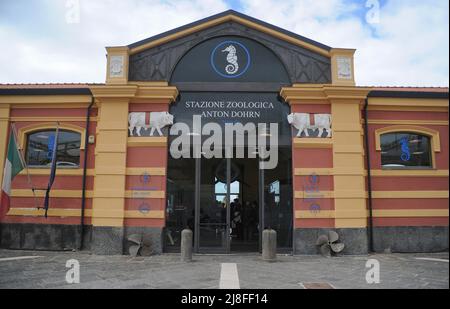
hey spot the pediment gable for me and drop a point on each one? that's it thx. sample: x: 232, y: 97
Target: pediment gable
x: 155, y: 59
x: 230, y: 17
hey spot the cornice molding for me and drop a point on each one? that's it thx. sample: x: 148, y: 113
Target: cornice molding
x: 160, y: 93
x: 133, y: 92
x: 322, y: 93
x: 114, y: 91
x: 355, y: 93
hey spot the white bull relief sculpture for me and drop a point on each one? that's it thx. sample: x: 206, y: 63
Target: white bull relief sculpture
x: 158, y: 120
x: 302, y: 123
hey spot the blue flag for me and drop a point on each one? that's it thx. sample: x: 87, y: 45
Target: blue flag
x: 54, y: 155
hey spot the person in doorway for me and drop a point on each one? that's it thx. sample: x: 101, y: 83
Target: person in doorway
x: 232, y: 223
x: 223, y: 211
x: 252, y: 220
x: 237, y: 218
x: 246, y: 220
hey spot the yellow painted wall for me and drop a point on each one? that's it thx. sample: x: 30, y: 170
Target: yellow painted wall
x: 110, y: 163
x: 4, y: 125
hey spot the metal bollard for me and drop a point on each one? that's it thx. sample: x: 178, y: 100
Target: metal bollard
x: 269, y: 245
x: 186, y: 245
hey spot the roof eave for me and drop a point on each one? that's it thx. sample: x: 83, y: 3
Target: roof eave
x: 408, y: 94
x: 45, y: 91
x: 223, y: 17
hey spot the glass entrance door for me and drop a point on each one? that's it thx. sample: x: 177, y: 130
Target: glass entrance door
x: 213, y: 215
x: 244, y: 205
x: 276, y: 210
x: 227, y: 213
x: 235, y: 200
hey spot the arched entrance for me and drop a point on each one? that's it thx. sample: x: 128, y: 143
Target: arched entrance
x: 229, y: 170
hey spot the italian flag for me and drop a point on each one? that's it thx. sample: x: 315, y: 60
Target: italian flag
x: 13, y: 166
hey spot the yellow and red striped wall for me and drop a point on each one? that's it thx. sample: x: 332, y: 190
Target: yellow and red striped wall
x: 67, y: 189
x: 410, y: 197
x: 127, y: 176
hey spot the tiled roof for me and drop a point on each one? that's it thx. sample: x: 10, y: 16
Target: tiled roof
x: 410, y: 89
x: 68, y: 86
x: 47, y: 86
x: 87, y: 85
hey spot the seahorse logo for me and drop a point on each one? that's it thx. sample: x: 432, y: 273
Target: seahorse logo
x: 232, y: 59
x: 406, y: 154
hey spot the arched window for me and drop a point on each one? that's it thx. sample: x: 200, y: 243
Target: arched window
x: 406, y: 150
x: 40, y: 145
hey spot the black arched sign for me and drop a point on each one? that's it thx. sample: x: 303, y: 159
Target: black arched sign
x: 230, y: 59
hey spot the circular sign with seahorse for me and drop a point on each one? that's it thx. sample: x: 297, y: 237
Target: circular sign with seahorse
x: 230, y: 59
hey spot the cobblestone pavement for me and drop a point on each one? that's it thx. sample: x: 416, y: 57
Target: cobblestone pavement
x: 48, y: 270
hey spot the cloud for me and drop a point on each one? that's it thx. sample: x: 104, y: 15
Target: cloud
x: 75, y: 52
x: 408, y: 47
x: 413, y: 47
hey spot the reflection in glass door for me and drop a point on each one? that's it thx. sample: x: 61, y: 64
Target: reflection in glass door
x: 276, y: 196
x: 214, y: 206
x: 227, y: 203
x: 244, y: 207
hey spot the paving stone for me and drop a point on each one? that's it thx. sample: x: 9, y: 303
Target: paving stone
x: 166, y: 271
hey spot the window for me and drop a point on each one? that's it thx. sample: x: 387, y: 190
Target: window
x: 221, y: 190
x: 405, y: 150
x: 274, y: 189
x: 40, y: 148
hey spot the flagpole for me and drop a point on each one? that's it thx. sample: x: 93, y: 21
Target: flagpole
x: 24, y: 163
x: 52, y: 171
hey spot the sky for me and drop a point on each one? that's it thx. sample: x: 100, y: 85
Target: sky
x: 398, y: 42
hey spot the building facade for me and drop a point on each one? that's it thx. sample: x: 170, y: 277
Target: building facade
x: 135, y: 155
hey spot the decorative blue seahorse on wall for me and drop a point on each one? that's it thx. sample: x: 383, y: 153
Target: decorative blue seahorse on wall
x: 232, y: 59
x: 406, y: 154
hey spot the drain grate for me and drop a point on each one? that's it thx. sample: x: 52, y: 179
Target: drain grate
x: 318, y: 286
